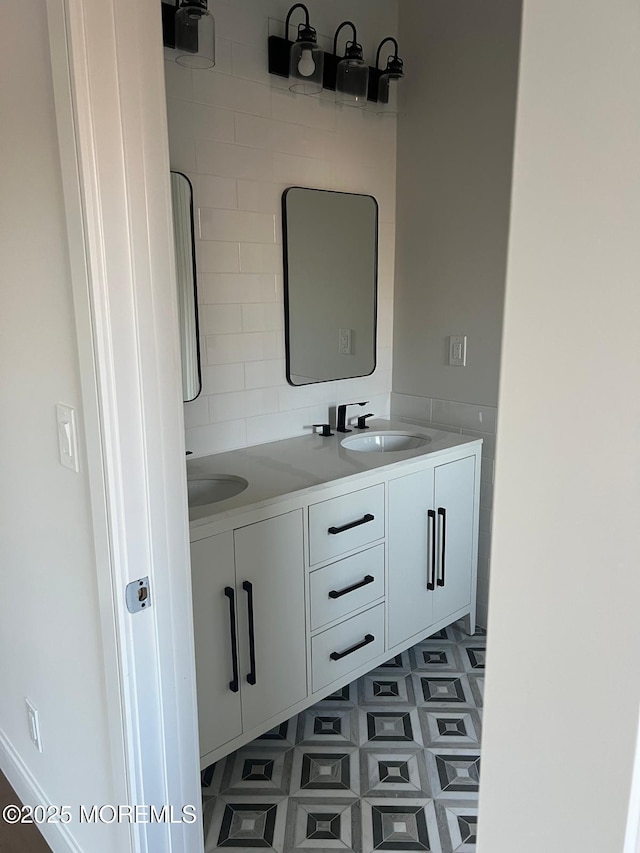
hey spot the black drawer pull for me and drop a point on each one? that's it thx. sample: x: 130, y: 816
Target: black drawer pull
x: 248, y: 588
x: 339, y: 593
x: 369, y: 638
x: 431, y: 569
x: 364, y: 520
x: 443, y: 542
x: 233, y: 684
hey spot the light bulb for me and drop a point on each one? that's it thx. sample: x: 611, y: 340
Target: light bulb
x: 306, y: 66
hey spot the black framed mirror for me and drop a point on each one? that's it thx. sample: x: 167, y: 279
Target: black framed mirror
x: 331, y: 284
x: 187, y: 288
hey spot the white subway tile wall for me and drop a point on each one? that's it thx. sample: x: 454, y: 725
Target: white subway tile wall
x: 465, y: 419
x: 242, y: 138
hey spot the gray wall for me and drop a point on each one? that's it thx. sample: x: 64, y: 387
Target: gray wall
x: 50, y: 632
x: 563, y: 684
x: 455, y: 146
x: 455, y: 153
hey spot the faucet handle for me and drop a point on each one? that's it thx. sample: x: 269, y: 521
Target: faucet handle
x: 362, y: 420
x: 326, y: 429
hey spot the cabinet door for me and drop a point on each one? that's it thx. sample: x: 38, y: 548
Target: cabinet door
x: 411, y: 549
x: 454, y: 501
x: 270, y: 584
x: 212, y: 572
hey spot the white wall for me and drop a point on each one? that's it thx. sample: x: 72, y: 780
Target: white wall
x: 455, y: 147
x: 563, y: 683
x: 49, y: 620
x: 242, y: 138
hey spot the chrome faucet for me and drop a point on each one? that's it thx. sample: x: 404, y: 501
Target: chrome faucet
x: 341, y: 425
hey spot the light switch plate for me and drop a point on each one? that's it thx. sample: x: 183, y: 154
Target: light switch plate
x: 67, y: 437
x: 458, y: 350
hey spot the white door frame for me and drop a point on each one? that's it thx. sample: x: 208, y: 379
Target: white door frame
x: 108, y: 73
x: 110, y: 102
x: 632, y: 837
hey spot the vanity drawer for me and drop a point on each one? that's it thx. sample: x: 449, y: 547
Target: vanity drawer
x: 352, y: 643
x: 342, y: 524
x: 348, y: 585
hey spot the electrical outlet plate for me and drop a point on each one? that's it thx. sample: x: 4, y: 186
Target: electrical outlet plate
x: 458, y: 350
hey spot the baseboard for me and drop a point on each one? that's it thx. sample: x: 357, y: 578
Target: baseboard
x: 57, y: 835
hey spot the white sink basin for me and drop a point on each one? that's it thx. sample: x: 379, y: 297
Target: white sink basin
x: 385, y: 442
x: 209, y: 490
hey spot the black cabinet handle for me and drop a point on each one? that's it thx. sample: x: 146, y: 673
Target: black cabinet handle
x: 364, y: 520
x: 369, y: 638
x: 443, y: 543
x: 248, y: 588
x: 431, y: 545
x: 230, y: 593
x: 339, y: 593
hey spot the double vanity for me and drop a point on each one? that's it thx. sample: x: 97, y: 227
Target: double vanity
x: 315, y: 559
x: 318, y: 558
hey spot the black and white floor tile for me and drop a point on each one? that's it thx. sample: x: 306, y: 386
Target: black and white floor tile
x: 391, y: 762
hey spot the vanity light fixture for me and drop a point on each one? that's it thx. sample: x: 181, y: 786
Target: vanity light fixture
x: 351, y: 80
x: 302, y: 61
x: 306, y: 59
x: 189, y: 27
x: 311, y: 70
x: 383, y: 83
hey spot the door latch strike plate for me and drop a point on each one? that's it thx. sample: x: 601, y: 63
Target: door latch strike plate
x: 138, y: 595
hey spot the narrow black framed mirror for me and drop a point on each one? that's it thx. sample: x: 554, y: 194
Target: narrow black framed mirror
x: 330, y: 242
x: 186, y: 278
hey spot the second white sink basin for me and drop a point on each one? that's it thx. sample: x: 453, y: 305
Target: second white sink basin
x: 209, y: 490
x: 385, y: 442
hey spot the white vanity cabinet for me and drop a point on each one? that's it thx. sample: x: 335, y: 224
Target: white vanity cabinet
x: 300, y: 591
x: 249, y: 617
x: 432, y: 522
x: 455, y: 562
x: 344, y: 523
x: 346, y: 586
x: 343, y: 638
x: 213, y: 582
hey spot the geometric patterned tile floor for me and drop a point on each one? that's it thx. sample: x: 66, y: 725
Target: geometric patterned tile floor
x: 391, y: 762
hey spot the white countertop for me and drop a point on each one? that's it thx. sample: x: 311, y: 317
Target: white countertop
x: 281, y: 468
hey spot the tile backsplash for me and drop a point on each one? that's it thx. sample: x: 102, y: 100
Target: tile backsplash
x: 466, y: 419
x: 242, y: 138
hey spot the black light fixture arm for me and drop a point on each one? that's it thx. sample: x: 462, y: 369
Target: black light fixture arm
x: 380, y: 46
x: 288, y: 18
x: 353, y: 42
